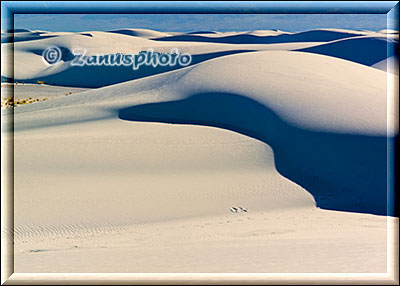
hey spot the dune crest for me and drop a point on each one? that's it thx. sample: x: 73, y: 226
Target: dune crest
x: 362, y: 47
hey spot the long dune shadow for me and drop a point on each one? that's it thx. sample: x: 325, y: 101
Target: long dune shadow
x: 31, y: 37
x: 307, y: 36
x: 366, y: 51
x: 99, y: 76
x: 343, y: 172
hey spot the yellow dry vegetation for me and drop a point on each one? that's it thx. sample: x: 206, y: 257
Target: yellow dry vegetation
x: 7, y: 102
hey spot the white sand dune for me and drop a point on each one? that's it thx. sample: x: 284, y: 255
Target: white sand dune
x: 367, y: 50
x: 267, y: 36
x: 390, y: 64
x: 334, y: 111
x: 34, y: 68
x: 215, y: 167
x: 144, y: 33
x: 307, y: 109
x: 148, y: 172
x: 363, y: 47
x: 23, y: 35
x: 38, y: 91
x: 388, y: 31
x: 216, y: 34
x: 299, y: 241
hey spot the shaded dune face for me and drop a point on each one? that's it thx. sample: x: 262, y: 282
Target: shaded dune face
x: 343, y: 172
x: 77, y: 76
x: 307, y: 36
x: 23, y: 35
x: 11, y: 39
x: 363, y: 50
x: 360, y: 47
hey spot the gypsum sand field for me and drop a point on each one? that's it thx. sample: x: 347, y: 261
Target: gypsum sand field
x: 131, y: 196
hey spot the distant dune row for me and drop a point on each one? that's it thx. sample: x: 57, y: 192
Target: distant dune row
x: 364, y: 47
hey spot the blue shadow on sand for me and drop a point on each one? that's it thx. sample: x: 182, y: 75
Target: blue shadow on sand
x: 99, y: 76
x: 366, y: 51
x: 343, y: 172
x: 306, y: 36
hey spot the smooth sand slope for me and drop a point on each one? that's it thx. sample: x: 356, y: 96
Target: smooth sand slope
x: 260, y: 141
x: 147, y: 197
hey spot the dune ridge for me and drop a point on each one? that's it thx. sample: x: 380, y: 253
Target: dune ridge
x: 363, y: 47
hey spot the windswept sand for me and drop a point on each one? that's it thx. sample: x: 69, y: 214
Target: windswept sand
x: 287, y: 241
